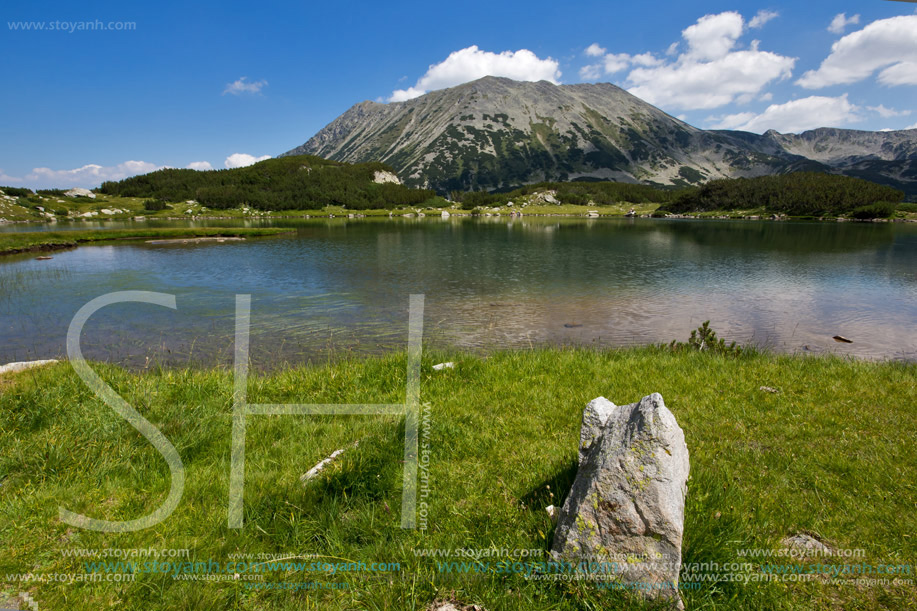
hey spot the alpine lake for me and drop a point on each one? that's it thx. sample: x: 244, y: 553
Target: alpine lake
x: 338, y: 287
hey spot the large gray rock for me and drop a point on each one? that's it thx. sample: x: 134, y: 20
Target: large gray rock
x: 624, y: 516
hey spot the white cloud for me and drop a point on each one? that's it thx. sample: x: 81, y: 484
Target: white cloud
x: 89, y: 175
x: 710, y: 73
x: 615, y: 62
x: 200, y: 165
x: 887, y: 43
x: 762, y: 17
x: 240, y: 86
x: 730, y: 121
x: 904, y: 73
x: 6, y: 178
x: 591, y: 72
x: 886, y: 113
x: 646, y: 59
x: 241, y: 160
x: 594, y: 50
x: 471, y: 63
x: 840, y: 23
x: 713, y: 36
x: 914, y: 126
x: 794, y: 116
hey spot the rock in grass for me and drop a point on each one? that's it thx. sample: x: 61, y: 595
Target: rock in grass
x: 441, y: 366
x: 452, y: 605
x: 22, y: 366
x: 808, y: 543
x: 628, y: 501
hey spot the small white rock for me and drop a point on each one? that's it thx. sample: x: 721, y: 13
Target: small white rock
x: 23, y: 365
x: 441, y: 366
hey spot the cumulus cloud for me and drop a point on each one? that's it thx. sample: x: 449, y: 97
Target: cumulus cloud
x: 914, y: 126
x: 471, y: 63
x: 200, y: 165
x: 241, y: 160
x: 591, y: 72
x: 594, y: 50
x: 711, y: 70
x: 886, y: 113
x: 887, y: 45
x: 841, y: 21
x: 89, y: 175
x: 762, y: 17
x: 794, y: 116
x: 710, y: 73
x: 713, y: 36
x: 241, y: 86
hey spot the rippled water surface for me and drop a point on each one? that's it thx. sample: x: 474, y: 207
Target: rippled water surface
x: 341, y: 286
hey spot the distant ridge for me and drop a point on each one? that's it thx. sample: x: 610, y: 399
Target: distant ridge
x: 496, y: 133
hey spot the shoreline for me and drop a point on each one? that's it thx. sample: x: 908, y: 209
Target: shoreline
x: 380, y: 214
x: 13, y: 243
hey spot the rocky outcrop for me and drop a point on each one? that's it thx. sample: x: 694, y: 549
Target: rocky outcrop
x: 624, y: 516
x: 381, y: 177
x: 80, y: 192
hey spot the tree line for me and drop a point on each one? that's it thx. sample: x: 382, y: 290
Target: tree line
x: 303, y: 182
x: 796, y: 194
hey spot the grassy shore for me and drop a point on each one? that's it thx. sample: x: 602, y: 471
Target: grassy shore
x: 830, y: 453
x: 16, y: 242
x: 44, y: 209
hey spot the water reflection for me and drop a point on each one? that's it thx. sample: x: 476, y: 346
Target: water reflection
x: 341, y: 286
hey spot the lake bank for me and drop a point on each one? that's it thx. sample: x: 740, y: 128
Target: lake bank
x: 825, y: 454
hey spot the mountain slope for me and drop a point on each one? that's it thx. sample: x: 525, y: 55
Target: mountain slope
x: 496, y: 132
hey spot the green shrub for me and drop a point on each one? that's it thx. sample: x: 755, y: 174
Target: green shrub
x: 879, y: 210
x: 704, y: 339
x: 16, y: 191
x: 907, y: 207
x: 154, y: 205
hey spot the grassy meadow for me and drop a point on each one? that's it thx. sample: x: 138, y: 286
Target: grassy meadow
x: 828, y: 454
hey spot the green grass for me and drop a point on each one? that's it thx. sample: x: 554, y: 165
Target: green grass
x: 14, y: 242
x: 830, y: 454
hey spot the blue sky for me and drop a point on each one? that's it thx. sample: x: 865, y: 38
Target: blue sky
x: 220, y: 84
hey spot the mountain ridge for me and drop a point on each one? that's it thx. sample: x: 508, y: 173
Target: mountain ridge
x: 495, y: 133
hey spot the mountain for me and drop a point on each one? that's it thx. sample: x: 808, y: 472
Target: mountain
x: 496, y: 133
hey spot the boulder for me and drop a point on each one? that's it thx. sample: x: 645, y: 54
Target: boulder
x: 80, y: 192
x: 624, y: 516
x: 381, y: 177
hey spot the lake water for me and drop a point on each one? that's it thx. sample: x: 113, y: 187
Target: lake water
x: 340, y: 286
